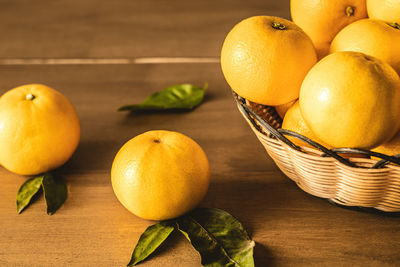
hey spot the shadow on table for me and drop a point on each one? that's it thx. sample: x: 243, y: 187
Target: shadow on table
x: 263, y: 256
x: 92, y: 156
x: 255, y: 199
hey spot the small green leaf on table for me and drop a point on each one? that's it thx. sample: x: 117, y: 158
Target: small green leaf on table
x: 220, y: 238
x: 54, y: 188
x: 181, y: 96
x: 27, y: 191
x: 150, y: 240
x: 55, y: 192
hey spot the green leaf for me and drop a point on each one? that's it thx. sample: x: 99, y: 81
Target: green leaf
x: 181, y: 96
x: 150, y: 240
x: 27, y: 191
x: 55, y: 192
x: 54, y: 188
x: 219, y: 238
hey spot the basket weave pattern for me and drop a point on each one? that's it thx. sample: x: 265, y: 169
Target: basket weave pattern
x: 326, y: 177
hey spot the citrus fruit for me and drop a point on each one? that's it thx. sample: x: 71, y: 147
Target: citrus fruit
x: 323, y: 19
x: 387, y: 10
x: 349, y: 99
x: 282, y: 109
x: 373, y: 37
x: 39, y: 129
x: 391, y: 147
x: 160, y: 175
x: 294, y: 121
x: 264, y: 59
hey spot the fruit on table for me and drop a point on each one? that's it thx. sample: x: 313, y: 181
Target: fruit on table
x: 264, y: 59
x: 294, y: 121
x: 391, y: 147
x: 160, y: 175
x: 39, y: 129
x: 323, y: 19
x: 387, y: 10
x: 350, y: 99
x: 282, y: 109
x: 373, y: 37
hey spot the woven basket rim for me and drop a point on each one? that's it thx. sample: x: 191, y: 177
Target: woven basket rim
x: 314, y: 153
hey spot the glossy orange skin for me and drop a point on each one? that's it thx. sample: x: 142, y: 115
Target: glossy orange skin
x: 264, y: 64
x: 349, y: 99
x: 387, y: 10
x: 39, y: 134
x: 294, y: 121
x: 282, y: 109
x: 323, y: 19
x: 372, y: 37
x: 160, y: 175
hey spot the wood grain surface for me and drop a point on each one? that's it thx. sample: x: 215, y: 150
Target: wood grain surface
x: 123, y: 28
x: 92, y: 228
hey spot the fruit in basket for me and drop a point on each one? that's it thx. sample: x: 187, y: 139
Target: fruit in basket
x: 294, y: 121
x: 264, y: 59
x: 391, y: 147
x: 387, y: 10
x: 39, y: 129
x: 373, y: 37
x: 282, y: 109
x: 323, y: 19
x: 350, y: 99
x: 160, y: 175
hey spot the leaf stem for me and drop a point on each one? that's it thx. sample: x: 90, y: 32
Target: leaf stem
x: 350, y: 10
x: 278, y: 26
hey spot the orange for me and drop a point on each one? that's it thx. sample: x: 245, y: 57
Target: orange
x: 323, y: 19
x: 349, y: 99
x: 391, y: 147
x: 373, y: 37
x: 39, y: 129
x: 160, y: 175
x: 387, y: 10
x: 294, y: 121
x: 282, y: 109
x: 264, y: 59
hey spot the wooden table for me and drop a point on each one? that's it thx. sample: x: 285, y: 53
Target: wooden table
x: 103, y: 54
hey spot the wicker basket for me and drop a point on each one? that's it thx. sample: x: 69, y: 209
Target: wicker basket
x: 356, y: 182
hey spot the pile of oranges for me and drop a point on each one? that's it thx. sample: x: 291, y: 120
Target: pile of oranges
x: 332, y: 73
